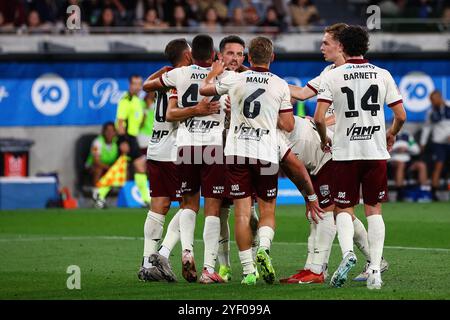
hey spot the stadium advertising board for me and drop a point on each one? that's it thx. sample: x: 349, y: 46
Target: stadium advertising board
x: 86, y: 93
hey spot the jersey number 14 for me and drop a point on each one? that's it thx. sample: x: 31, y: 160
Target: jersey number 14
x: 371, y: 93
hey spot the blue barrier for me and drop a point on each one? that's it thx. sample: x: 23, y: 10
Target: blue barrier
x: 86, y: 93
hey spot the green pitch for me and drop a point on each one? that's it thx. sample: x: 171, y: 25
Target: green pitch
x: 36, y: 247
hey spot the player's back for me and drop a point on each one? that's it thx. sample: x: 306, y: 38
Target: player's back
x: 205, y: 130
x: 257, y: 97
x: 359, y: 91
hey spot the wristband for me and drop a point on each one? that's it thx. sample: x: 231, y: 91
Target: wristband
x: 312, y: 197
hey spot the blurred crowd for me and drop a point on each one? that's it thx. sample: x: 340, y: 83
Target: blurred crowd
x: 200, y: 15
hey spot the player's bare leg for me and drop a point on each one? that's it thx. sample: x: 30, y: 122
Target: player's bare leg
x: 187, y: 227
x: 223, y: 254
x: 243, y: 234
x: 266, y: 231
x: 376, y: 234
x: 345, y: 232
x: 211, y: 236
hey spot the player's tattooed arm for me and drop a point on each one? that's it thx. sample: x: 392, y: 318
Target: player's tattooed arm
x: 208, y: 87
x: 301, y: 93
x: 203, y: 108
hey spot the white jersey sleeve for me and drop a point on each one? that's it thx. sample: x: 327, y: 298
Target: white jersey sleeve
x: 170, y: 78
x: 314, y: 84
x: 393, y: 95
x: 226, y: 81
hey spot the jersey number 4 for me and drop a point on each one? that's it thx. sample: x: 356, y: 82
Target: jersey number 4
x: 371, y: 93
x: 192, y: 93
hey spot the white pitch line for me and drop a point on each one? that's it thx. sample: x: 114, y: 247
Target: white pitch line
x: 27, y: 239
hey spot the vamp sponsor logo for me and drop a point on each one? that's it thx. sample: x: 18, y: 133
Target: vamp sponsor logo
x: 415, y: 88
x: 50, y: 94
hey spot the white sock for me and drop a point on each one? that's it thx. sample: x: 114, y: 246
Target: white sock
x: 360, y: 238
x: 376, y: 232
x: 187, y: 228
x: 223, y: 254
x: 325, y: 233
x: 265, y: 234
x: 344, y: 227
x: 153, y: 230
x: 247, y: 261
x: 211, y: 234
x: 172, y: 235
x: 254, y: 220
x: 311, y: 239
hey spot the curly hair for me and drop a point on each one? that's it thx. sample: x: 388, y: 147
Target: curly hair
x: 354, y: 40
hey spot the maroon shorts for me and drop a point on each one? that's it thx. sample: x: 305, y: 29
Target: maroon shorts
x: 322, y: 184
x: 164, y: 179
x: 202, y: 167
x: 246, y: 177
x: 348, y: 176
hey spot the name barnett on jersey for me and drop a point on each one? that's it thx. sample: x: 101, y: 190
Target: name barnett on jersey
x: 244, y: 132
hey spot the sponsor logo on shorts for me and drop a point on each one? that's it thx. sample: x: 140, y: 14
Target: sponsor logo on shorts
x: 235, y: 190
x: 324, y: 190
x: 341, y: 195
x: 249, y: 133
x: 272, y: 192
x: 325, y: 201
x: 381, y: 195
x: 218, y: 189
x: 362, y: 133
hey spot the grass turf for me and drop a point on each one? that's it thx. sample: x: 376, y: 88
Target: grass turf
x: 36, y: 247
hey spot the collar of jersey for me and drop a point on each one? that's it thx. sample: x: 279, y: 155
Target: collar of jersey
x: 357, y: 61
x: 259, y: 69
x: 203, y: 64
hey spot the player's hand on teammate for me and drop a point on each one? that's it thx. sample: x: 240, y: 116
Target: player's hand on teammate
x: 314, y: 211
x: 390, y: 139
x: 326, y: 146
x: 205, y: 107
x: 218, y: 67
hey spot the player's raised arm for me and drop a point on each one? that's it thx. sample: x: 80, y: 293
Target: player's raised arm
x: 163, y: 81
x: 208, y: 87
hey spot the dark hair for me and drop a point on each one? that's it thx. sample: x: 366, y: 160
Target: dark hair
x: 354, y: 40
x: 231, y: 39
x: 260, y: 50
x: 130, y: 78
x: 106, y: 125
x: 175, y: 49
x: 202, y: 47
x: 336, y: 29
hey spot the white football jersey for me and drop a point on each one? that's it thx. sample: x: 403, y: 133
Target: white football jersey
x: 195, y: 131
x: 304, y: 142
x: 162, y: 145
x: 257, y: 97
x: 314, y: 85
x: 359, y: 91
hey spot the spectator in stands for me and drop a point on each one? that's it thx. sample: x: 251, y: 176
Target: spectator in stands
x: 219, y: 6
x: 179, y: 20
x: 303, y: 13
x: 193, y: 12
x: 237, y: 19
x: 404, y: 159
x: 107, y: 21
x: 251, y: 16
x: 34, y: 23
x: 152, y: 22
x: 438, y: 123
x: 445, y: 25
x: 14, y: 12
x: 104, y: 152
x: 272, y: 22
x: 210, y: 22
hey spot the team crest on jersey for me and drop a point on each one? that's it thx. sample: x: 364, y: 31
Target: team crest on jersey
x: 324, y: 190
x: 249, y: 133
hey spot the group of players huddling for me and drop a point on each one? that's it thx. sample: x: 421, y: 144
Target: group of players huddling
x: 224, y: 129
